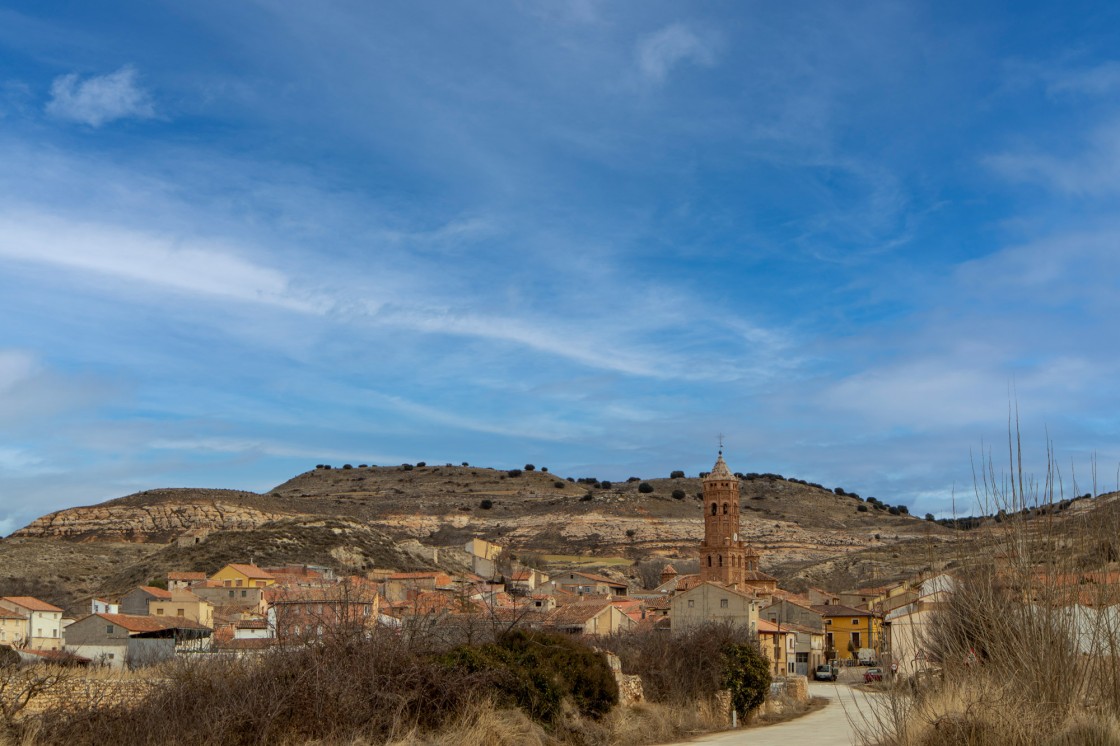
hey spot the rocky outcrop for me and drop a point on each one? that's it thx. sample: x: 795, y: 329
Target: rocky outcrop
x: 160, y: 523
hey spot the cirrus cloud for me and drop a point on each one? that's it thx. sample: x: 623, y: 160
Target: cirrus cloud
x: 100, y: 99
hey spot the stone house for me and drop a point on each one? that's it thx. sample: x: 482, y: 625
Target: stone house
x: 405, y: 586
x: 220, y: 595
x: 136, y: 601
x: 587, y: 584
x: 184, y: 605
x: 713, y: 602
x: 127, y: 640
x: 44, y: 621
x: 484, y: 556
x: 312, y: 613
x: 180, y: 580
x: 588, y: 617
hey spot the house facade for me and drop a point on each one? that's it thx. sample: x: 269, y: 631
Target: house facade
x: 184, y: 605
x: 136, y: 601
x: 713, y: 602
x: 243, y: 576
x: 44, y: 621
x: 132, y: 641
x: 13, y: 627
x: 848, y: 631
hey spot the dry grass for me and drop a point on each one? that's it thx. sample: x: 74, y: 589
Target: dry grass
x: 1028, y: 642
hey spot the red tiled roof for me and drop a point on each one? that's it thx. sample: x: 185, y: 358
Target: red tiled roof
x: 599, y: 579
x: 418, y: 576
x: 576, y: 613
x: 181, y: 575
x: 30, y: 603
x: 138, y: 623
x: 250, y: 571
x: 160, y: 593
x: 9, y: 614
x: 770, y: 627
x: 521, y: 575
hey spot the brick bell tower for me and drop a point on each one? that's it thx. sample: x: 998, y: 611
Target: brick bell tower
x: 724, y: 558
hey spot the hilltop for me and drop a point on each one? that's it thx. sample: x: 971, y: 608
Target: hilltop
x: 370, y: 516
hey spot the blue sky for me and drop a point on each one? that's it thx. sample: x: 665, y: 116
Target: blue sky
x: 237, y: 240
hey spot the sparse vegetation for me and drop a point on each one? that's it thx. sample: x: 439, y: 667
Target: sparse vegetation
x: 486, y: 504
x: 677, y: 474
x: 645, y: 488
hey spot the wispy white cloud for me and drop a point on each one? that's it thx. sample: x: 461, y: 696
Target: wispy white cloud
x: 15, y: 366
x: 192, y: 266
x: 100, y: 99
x: 1097, y: 80
x: 1093, y: 170
x: 664, y: 50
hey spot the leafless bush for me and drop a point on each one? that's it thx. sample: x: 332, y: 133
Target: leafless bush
x: 678, y: 668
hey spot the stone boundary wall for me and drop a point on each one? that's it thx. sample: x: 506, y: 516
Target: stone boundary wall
x: 82, y: 693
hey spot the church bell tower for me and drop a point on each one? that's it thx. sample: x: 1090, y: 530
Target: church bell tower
x: 723, y: 556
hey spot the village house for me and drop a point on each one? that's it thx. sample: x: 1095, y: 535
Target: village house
x: 243, y: 576
x: 312, y: 613
x: 807, y: 649
x: 588, y: 617
x: 484, y: 557
x: 907, y: 628
x: 180, y: 580
x: 184, y: 605
x: 43, y: 630
x: 230, y: 598
x: 527, y: 580
x: 103, y: 606
x: 850, y: 632
x: 127, y: 640
x: 136, y: 601
x: 404, y: 586
x: 713, y: 602
x: 587, y: 584
x: 13, y: 627
x: 777, y: 644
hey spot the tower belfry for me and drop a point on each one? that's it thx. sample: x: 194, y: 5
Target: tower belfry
x: 724, y: 557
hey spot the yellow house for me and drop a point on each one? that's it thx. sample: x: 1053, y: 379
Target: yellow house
x: 848, y: 630
x: 13, y: 627
x: 243, y: 576
x: 777, y: 644
x: 184, y: 605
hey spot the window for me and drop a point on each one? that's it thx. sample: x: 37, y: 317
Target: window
x: 244, y: 594
x: 721, y: 560
x: 239, y: 583
x: 723, y: 603
x: 828, y: 621
x: 713, y: 508
x: 691, y: 603
x: 855, y: 622
x: 159, y: 612
x: 109, y: 629
x: 856, y: 640
x: 178, y: 612
x: 231, y: 592
x: 725, y: 508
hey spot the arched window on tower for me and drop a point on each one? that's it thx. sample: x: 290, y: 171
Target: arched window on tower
x: 725, y: 508
x: 709, y: 560
x: 713, y: 508
x: 721, y: 560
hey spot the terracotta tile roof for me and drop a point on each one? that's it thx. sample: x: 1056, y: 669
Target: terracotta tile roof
x: 418, y: 576
x: 250, y: 571
x: 160, y: 593
x: 771, y: 628
x: 136, y: 623
x: 9, y: 614
x: 521, y: 575
x: 576, y: 613
x: 252, y: 624
x: 668, y: 570
x: 839, y: 610
x: 182, y: 575
x: 599, y: 579
x: 30, y: 603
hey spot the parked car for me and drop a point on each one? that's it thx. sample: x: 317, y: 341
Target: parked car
x: 873, y: 674
x: 825, y: 673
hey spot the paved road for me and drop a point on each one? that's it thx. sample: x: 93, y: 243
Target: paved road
x: 829, y: 726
